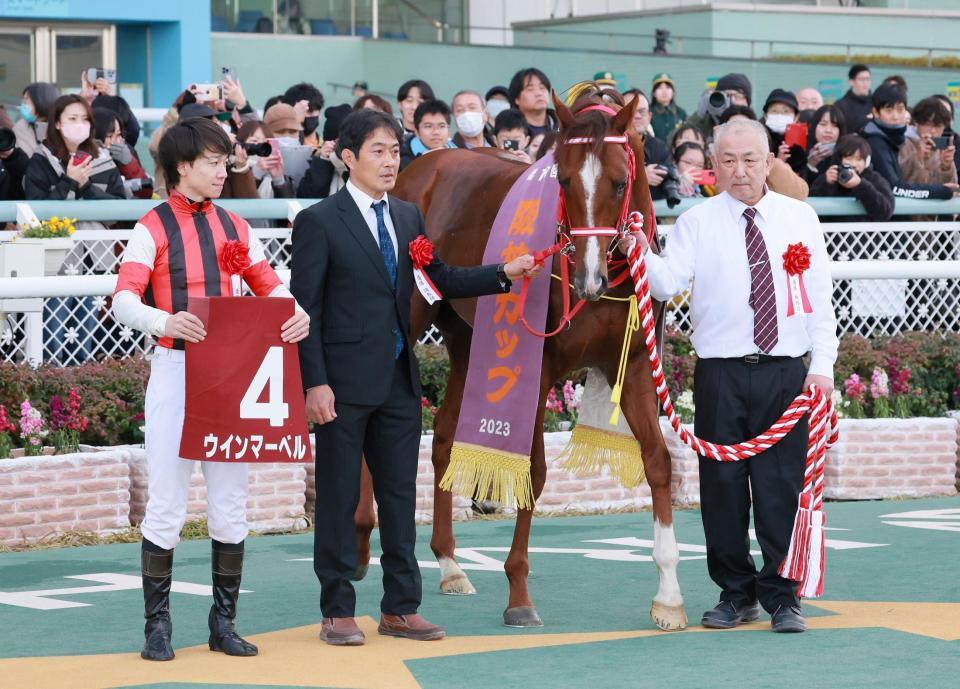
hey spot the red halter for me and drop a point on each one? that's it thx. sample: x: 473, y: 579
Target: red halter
x: 563, y: 221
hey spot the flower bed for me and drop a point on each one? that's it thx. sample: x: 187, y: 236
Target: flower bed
x: 44, y: 495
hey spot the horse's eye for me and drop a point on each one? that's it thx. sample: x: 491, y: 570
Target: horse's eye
x: 564, y: 182
x: 620, y: 187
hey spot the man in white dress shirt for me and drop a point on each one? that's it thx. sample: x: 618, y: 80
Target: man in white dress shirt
x: 751, y: 330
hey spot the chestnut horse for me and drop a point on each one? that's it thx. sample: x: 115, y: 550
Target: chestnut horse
x: 459, y: 193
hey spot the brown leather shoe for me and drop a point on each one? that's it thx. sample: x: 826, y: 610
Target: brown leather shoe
x: 410, y: 627
x: 341, y: 631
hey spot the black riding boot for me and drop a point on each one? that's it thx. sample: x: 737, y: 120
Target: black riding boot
x: 227, y: 568
x: 156, y: 566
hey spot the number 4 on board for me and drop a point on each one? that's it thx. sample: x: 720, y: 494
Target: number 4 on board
x: 270, y: 372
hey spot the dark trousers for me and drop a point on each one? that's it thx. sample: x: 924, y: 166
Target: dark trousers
x: 736, y: 401
x: 389, y: 436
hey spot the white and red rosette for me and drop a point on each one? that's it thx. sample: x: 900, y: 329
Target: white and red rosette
x: 796, y: 261
x: 234, y: 260
x: 421, y: 254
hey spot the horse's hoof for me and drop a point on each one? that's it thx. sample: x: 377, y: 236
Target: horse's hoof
x: 669, y: 618
x: 457, y: 585
x: 525, y: 616
x: 361, y: 572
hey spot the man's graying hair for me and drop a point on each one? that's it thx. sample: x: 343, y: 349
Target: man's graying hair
x: 741, y: 125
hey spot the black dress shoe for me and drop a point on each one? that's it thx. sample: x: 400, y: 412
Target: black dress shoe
x: 726, y: 615
x: 788, y: 620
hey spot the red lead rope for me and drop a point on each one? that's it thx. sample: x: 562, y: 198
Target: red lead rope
x: 805, y: 558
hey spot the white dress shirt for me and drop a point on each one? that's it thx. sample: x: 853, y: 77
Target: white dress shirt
x: 707, y: 246
x: 365, y: 204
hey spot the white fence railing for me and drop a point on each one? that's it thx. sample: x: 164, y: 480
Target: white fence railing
x: 888, y: 278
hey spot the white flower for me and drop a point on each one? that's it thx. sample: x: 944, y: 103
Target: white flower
x: 578, y: 394
x: 837, y: 398
x: 686, y: 399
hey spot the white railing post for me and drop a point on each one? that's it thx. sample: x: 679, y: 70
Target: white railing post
x: 33, y: 340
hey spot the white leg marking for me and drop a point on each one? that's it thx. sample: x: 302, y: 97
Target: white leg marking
x: 666, y: 554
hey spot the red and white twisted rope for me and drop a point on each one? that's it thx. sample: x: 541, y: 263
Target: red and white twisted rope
x: 805, y: 558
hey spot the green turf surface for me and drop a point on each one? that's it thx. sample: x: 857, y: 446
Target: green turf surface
x: 573, y: 593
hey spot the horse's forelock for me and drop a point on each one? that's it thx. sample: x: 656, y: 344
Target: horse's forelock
x: 592, y: 124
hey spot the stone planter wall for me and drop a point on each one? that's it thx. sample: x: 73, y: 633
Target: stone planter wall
x: 46, y: 496
x: 106, y: 490
x: 887, y: 458
x: 274, y: 503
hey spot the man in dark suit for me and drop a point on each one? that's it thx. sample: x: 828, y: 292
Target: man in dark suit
x: 352, y: 273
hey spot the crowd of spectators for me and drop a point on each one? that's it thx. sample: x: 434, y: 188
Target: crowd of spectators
x: 870, y: 144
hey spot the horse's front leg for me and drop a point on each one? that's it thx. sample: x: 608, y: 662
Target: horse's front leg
x: 364, y: 519
x: 521, y: 611
x: 639, y: 406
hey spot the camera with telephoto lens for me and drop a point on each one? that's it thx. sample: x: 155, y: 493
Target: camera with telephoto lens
x: 717, y: 102
x: 262, y: 149
x: 845, y: 173
x: 670, y: 184
x: 8, y: 140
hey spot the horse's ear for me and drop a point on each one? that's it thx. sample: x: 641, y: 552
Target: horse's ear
x: 624, y: 119
x: 563, y: 112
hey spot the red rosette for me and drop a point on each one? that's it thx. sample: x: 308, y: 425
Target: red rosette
x: 421, y: 252
x: 796, y: 259
x: 235, y: 257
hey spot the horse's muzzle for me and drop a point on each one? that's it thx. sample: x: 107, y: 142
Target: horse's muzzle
x: 590, y: 289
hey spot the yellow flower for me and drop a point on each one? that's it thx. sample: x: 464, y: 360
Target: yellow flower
x: 54, y: 219
x: 70, y: 231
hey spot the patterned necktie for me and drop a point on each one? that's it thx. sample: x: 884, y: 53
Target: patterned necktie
x: 763, y: 298
x: 390, y: 259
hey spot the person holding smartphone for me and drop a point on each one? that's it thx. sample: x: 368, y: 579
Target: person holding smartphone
x: 510, y: 133
x: 927, y: 156
x: 69, y: 166
x: 690, y: 159
x: 825, y: 128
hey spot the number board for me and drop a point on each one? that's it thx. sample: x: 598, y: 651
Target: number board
x: 244, y: 396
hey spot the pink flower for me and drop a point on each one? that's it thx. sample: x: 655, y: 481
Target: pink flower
x: 879, y: 383
x: 853, y: 387
x: 553, y: 403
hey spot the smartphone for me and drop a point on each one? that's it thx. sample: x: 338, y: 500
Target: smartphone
x: 796, y: 135
x: 209, y: 92
x: 703, y: 176
x: 511, y: 145
x: 228, y: 72
x: 274, y: 145
x: 942, y: 143
x: 94, y: 73
x: 825, y: 147
x: 80, y: 157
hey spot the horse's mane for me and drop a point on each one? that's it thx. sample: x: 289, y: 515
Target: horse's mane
x: 592, y: 124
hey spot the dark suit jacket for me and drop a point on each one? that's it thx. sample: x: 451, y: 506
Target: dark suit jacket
x: 338, y: 276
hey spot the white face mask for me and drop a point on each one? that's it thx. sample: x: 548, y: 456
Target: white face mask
x: 470, y: 123
x: 495, y: 106
x: 75, y: 132
x: 287, y: 141
x: 777, y: 123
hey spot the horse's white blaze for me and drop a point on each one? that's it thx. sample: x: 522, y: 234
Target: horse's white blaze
x: 589, y: 174
x: 666, y: 554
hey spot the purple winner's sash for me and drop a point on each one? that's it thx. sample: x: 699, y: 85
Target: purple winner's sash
x: 491, y: 448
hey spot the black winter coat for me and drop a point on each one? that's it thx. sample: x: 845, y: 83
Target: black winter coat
x: 47, y: 179
x: 885, y: 143
x: 873, y: 193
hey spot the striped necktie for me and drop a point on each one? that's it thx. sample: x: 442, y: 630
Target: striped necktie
x: 390, y: 259
x: 763, y: 297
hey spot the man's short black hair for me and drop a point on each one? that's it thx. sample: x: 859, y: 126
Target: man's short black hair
x: 510, y: 118
x: 897, y: 80
x: 735, y: 110
x: 888, y: 94
x: 431, y: 107
x: 520, y: 80
x: 850, y: 145
x: 303, y: 91
x: 186, y: 141
x: 931, y: 111
x: 360, y: 125
x: 425, y: 91
x: 855, y: 70
x: 271, y: 101
x: 635, y: 92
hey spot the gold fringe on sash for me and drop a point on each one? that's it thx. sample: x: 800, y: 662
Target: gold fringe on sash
x: 590, y: 449
x: 495, y: 474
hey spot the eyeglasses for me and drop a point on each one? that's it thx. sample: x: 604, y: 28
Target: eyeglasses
x: 643, y: 112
